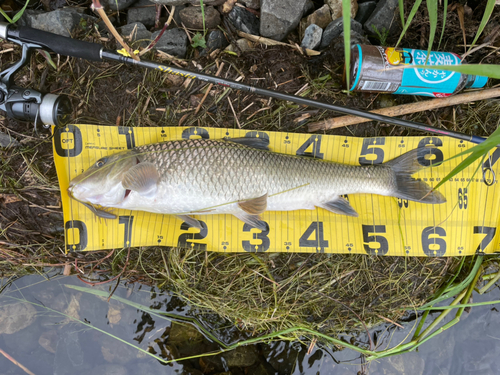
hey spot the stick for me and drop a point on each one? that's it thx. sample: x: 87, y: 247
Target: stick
x: 271, y: 42
x: 208, y: 90
x: 405, y: 109
x: 15, y: 362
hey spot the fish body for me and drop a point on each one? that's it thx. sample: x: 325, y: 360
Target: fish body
x: 239, y: 177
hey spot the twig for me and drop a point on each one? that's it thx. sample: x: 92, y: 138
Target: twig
x: 153, y: 43
x: 97, y: 7
x: 234, y: 112
x: 405, y: 109
x: 15, y: 362
x: 271, y: 42
x: 208, y: 90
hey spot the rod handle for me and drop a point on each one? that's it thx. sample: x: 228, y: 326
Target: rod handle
x: 59, y: 44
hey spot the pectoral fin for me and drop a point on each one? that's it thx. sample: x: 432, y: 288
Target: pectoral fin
x: 192, y: 222
x: 252, y: 220
x: 142, y: 178
x: 339, y: 206
x: 254, y: 206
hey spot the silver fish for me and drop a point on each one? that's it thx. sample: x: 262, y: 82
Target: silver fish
x: 239, y: 177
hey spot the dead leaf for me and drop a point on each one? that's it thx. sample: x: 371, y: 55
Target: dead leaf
x: 228, y: 6
x: 9, y: 198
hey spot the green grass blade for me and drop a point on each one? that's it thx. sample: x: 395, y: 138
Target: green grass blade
x: 6, y: 16
x: 476, y: 152
x: 445, y: 12
x: 413, y: 11
x: 487, y: 70
x: 402, y: 12
x: 20, y: 13
x: 458, y: 288
x: 486, y: 16
x: 432, y: 9
x: 346, y: 18
x: 203, y: 16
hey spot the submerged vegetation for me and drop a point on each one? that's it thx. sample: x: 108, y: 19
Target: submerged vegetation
x: 271, y: 296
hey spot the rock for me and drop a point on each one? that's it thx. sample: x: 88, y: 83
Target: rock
x: 114, y: 315
x: 216, y: 40
x: 194, y: 2
x: 279, y: 17
x: 62, y: 21
x: 356, y: 38
x: 409, y: 363
x: 321, y: 17
x: 243, y: 356
x: 27, y: 16
x: 193, y: 18
x: 26, y: 338
x: 15, y: 317
x: 336, y: 8
x: 261, y: 368
x: 116, y: 352
x: 335, y: 28
x: 7, y: 141
x: 243, y: 45
x: 176, y: 22
x: 244, y: 20
x: 382, y: 18
x: 191, y: 371
x: 144, y: 11
x: 110, y: 370
x: 73, y: 309
x: 69, y: 353
x: 252, y: 4
x: 181, y: 334
x: 278, y: 355
x: 312, y: 37
x: 48, y: 340
x: 122, y: 4
x: 308, y: 8
x: 365, y: 10
x: 173, y: 42
x: 136, y: 32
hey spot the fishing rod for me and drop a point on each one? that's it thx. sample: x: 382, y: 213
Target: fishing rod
x: 29, y: 38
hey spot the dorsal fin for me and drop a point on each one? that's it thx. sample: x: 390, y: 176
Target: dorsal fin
x: 258, y: 143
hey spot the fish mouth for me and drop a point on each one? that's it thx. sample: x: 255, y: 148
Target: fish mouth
x: 96, y: 211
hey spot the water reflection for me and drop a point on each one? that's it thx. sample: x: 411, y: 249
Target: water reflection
x: 66, y: 331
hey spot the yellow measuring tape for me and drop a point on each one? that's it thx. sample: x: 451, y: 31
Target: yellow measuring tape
x: 465, y: 225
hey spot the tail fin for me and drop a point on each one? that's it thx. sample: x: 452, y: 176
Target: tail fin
x: 406, y: 186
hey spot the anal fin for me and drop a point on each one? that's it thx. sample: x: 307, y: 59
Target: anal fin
x: 339, y: 206
x: 252, y: 220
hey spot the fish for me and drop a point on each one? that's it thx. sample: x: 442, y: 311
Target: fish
x: 238, y: 176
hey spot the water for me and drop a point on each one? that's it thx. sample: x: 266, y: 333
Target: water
x: 55, y: 342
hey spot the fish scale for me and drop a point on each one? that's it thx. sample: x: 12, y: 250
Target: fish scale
x: 197, y: 176
x: 233, y: 172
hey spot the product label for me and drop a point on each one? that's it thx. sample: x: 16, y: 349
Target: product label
x: 427, y: 82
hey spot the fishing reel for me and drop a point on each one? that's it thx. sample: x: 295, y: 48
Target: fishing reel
x: 27, y: 104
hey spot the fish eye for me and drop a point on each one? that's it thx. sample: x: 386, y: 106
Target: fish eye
x: 99, y: 163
